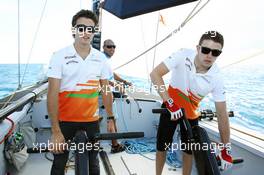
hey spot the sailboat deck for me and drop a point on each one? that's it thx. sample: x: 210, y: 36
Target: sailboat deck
x: 122, y: 163
x: 131, y: 119
x: 137, y: 164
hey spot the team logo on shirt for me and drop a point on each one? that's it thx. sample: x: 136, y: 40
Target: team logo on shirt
x: 72, y: 61
x: 188, y: 63
x: 70, y: 57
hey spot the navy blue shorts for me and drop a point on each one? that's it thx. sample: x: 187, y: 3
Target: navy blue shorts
x: 68, y: 130
x: 166, y: 131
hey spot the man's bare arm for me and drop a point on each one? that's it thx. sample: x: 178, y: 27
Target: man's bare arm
x: 108, y: 101
x: 52, y: 102
x: 223, y: 121
x: 157, y: 80
x: 107, y: 96
x: 118, y: 78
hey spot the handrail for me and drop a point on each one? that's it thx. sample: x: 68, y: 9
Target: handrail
x: 246, y: 133
x: 22, y: 101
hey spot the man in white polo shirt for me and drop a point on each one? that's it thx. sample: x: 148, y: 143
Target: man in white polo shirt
x: 194, y: 75
x: 109, y: 50
x: 76, y: 74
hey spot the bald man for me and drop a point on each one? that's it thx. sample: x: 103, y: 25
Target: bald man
x: 109, y: 50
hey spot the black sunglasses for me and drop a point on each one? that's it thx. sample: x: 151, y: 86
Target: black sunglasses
x: 84, y: 28
x: 110, y: 46
x: 215, y: 52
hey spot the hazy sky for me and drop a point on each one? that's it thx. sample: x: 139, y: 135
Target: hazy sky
x: 241, y: 23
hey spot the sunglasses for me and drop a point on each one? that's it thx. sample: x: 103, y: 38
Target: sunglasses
x: 110, y: 46
x: 215, y: 52
x: 81, y: 28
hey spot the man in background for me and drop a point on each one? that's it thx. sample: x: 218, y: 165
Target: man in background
x: 109, y: 50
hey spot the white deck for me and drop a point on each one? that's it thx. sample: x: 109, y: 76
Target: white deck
x: 130, y: 119
x: 244, y: 146
x: 137, y: 165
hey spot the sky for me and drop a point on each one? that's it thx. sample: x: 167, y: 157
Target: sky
x: 240, y: 22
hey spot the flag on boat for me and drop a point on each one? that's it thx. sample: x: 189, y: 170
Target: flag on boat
x: 162, y: 19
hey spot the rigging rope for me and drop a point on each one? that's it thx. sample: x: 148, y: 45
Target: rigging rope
x: 34, y: 40
x: 244, y: 59
x: 187, y: 19
x: 35, y: 37
x: 144, y: 45
x: 147, y: 146
x: 156, y: 39
x: 154, y: 55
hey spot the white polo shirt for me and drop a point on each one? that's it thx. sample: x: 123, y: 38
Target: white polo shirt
x: 111, y: 67
x: 78, y: 96
x: 187, y: 88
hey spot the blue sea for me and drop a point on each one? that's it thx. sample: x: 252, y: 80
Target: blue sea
x: 244, y: 86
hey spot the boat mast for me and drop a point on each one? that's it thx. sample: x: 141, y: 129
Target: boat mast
x: 18, y: 43
x: 96, y: 43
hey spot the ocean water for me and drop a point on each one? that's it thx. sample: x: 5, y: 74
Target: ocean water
x: 244, y: 86
x: 9, y: 76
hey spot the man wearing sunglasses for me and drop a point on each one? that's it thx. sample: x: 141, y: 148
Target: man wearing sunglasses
x: 194, y: 75
x: 75, y: 75
x: 109, y: 50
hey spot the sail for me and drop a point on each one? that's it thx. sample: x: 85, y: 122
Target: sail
x: 130, y: 8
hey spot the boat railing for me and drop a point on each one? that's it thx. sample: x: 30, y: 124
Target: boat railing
x: 27, y: 96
